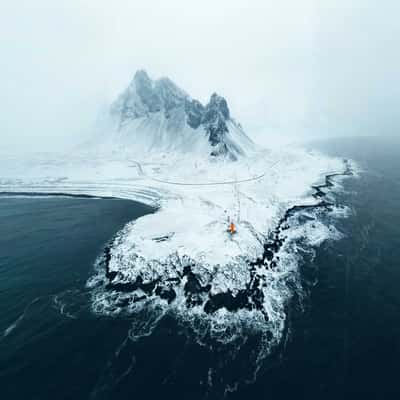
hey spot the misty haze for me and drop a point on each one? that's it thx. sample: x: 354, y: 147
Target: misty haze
x: 199, y: 199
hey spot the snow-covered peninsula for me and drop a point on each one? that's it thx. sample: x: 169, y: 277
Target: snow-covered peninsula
x: 199, y: 170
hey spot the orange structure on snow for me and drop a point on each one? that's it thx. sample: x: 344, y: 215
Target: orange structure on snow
x: 232, y: 228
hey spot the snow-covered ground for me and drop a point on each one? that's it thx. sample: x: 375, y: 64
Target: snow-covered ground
x: 195, y: 196
x: 181, y: 258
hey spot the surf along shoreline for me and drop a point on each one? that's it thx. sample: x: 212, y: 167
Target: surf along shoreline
x: 251, y: 297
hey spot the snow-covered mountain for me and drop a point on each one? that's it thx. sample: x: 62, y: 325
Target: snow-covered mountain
x: 158, y: 115
x: 181, y: 260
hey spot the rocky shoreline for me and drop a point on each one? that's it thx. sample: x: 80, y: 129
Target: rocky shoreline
x: 250, y: 298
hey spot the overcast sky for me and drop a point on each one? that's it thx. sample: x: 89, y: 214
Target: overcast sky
x: 288, y: 68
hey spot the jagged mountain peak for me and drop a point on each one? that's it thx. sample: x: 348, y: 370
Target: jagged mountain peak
x: 218, y: 103
x: 167, y: 83
x: 141, y: 80
x: 163, y: 84
x: 141, y: 74
x: 166, y: 116
x: 171, y: 95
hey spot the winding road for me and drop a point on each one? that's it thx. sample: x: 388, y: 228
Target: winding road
x: 232, y: 182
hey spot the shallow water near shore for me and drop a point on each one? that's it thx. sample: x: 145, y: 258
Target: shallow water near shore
x: 343, y: 342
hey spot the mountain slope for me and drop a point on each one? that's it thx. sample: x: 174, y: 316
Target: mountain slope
x: 158, y: 115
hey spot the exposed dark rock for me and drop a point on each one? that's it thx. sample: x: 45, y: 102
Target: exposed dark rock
x: 194, y: 111
x: 216, y: 105
x: 166, y: 293
x: 214, y: 119
x: 193, y: 288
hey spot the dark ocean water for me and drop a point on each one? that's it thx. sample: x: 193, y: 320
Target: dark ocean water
x: 346, y: 344
x: 47, y: 250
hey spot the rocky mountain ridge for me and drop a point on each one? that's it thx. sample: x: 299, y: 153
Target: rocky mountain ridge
x: 163, y: 101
